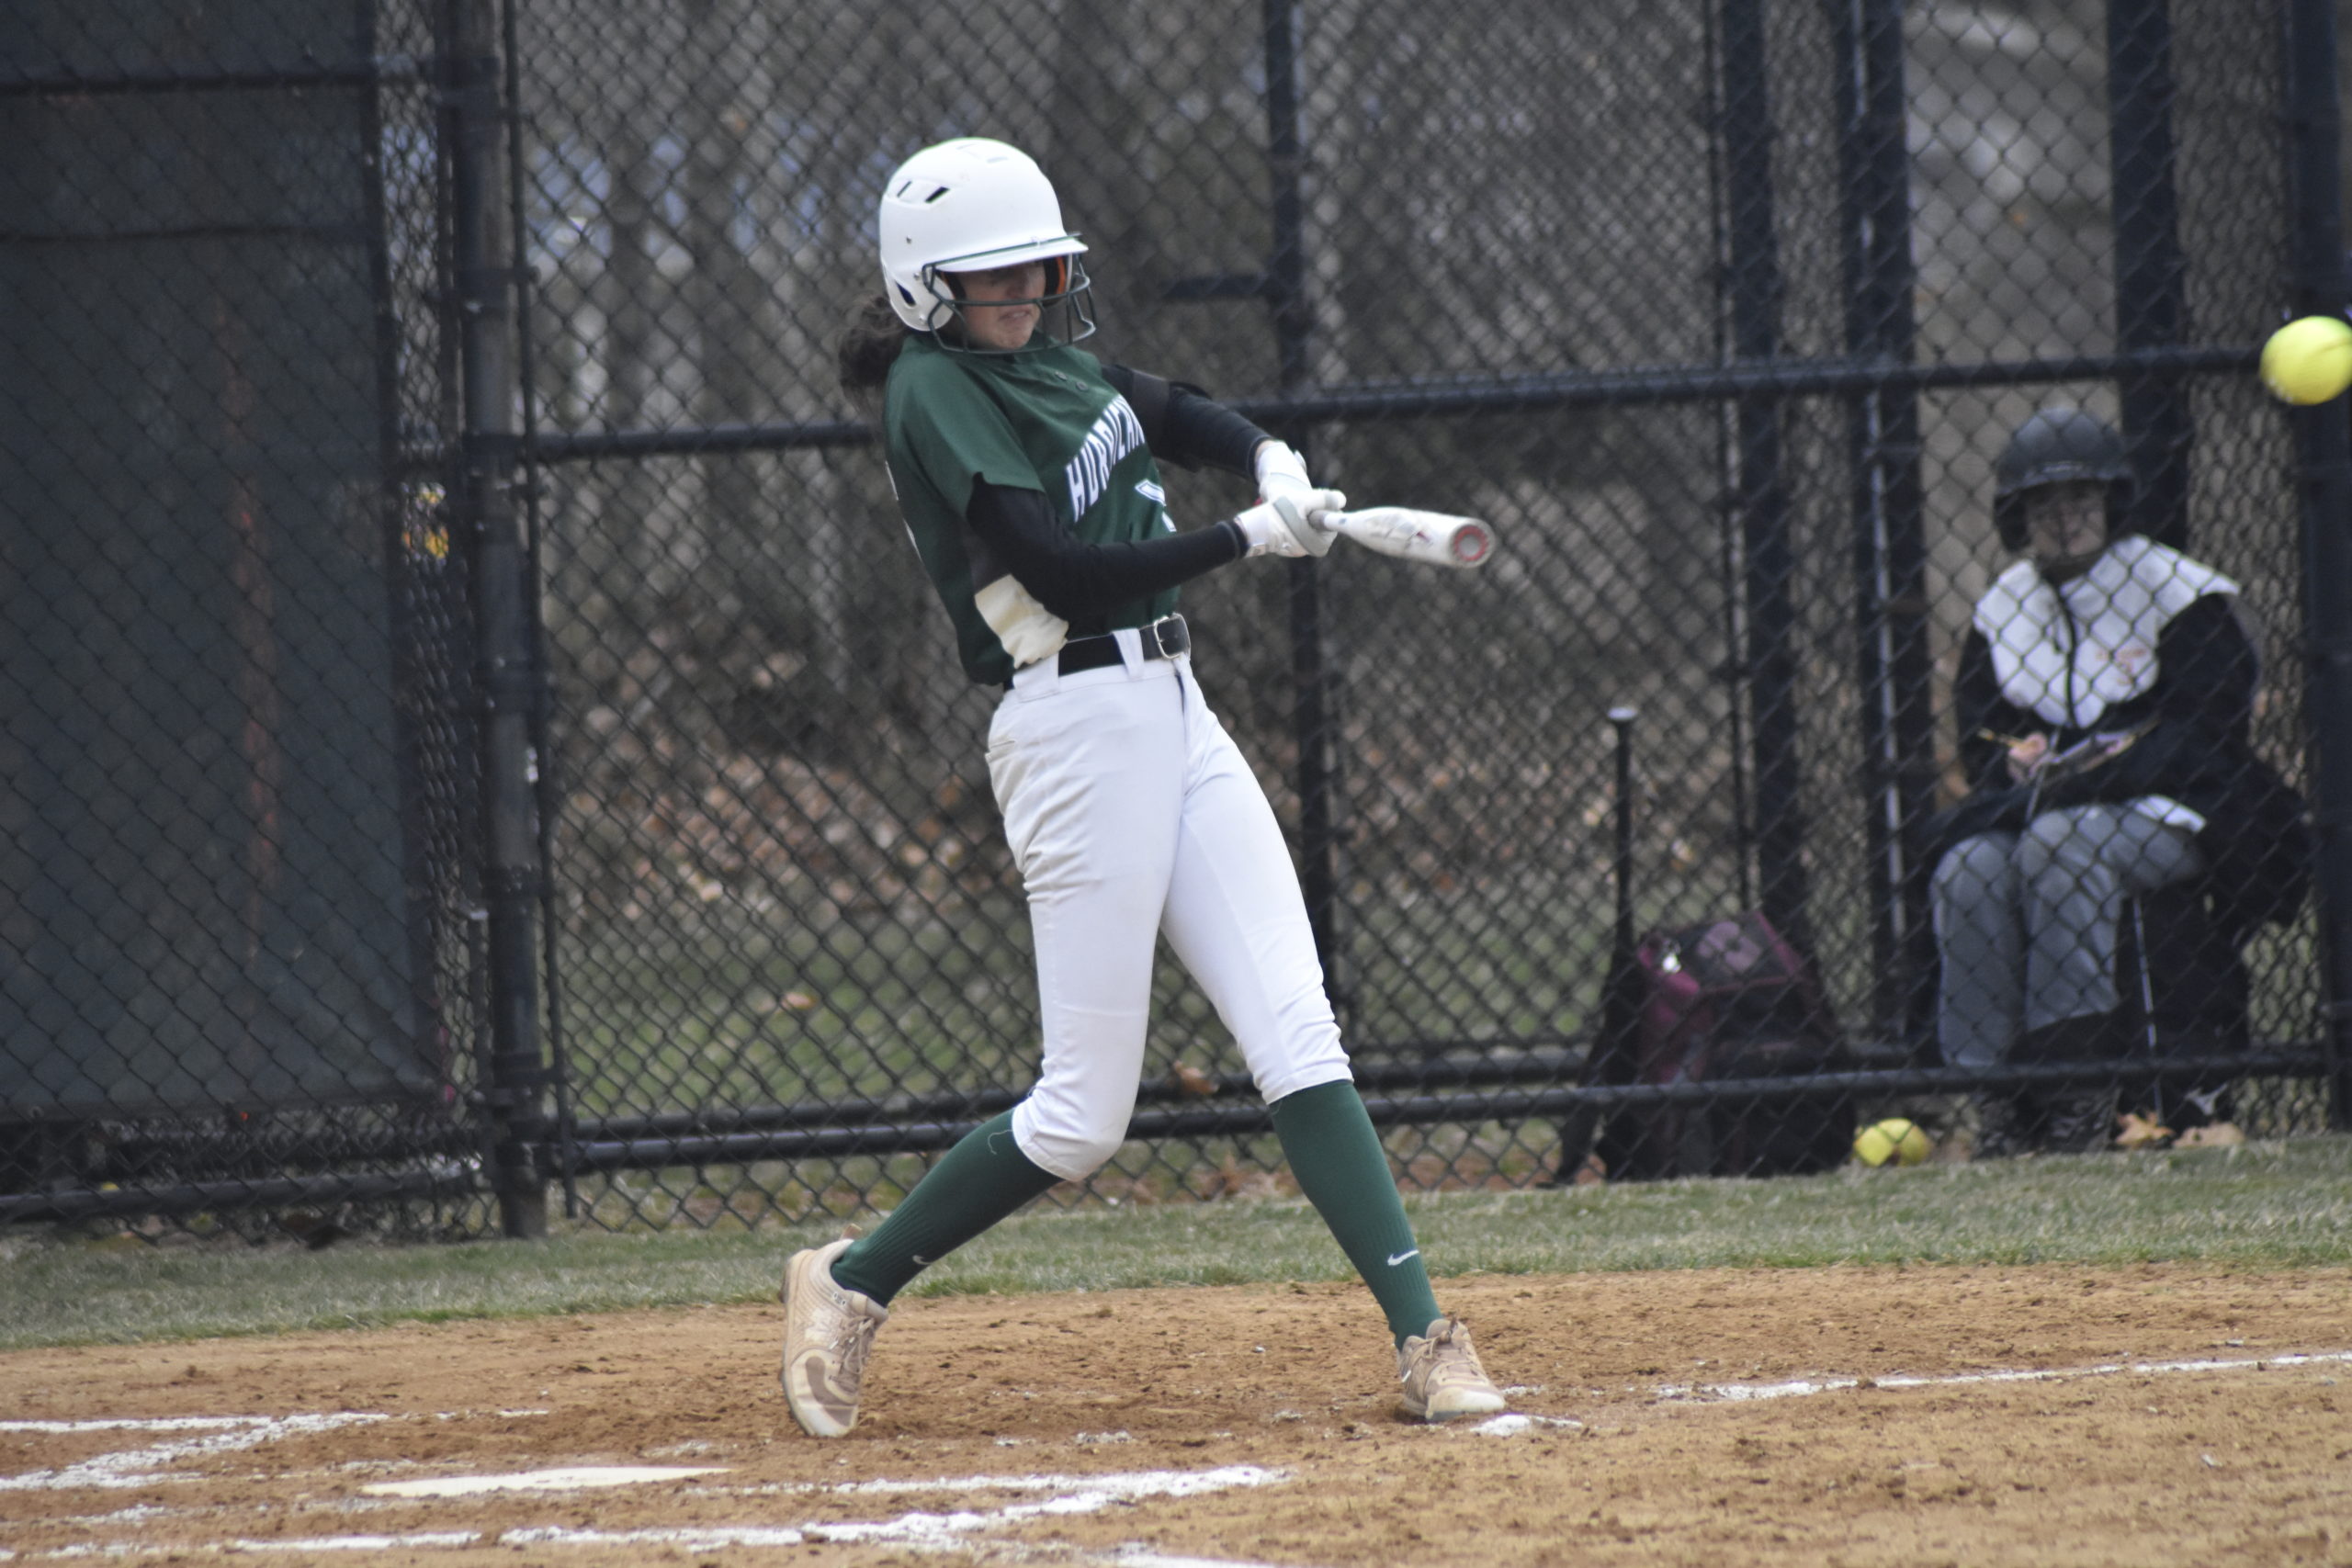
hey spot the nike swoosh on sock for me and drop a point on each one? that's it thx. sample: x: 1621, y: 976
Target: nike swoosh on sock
x: 1402, y: 1256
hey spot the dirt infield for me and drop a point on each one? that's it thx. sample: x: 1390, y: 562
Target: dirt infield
x: 1863, y: 1417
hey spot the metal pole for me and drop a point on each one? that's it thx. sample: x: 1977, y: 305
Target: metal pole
x: 2151, y: 273
x: 506, y: 680
x: 1762, y: 497
x: 1728, y: 552
x: 1438, y: 397
x: 1609, y: 1057
x: 543, y: 746
x: 1285, y: 286
x: 1889, y: 500
x: 2323, y: 469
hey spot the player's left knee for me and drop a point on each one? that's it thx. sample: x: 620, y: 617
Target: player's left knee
x: 1075, y: 1153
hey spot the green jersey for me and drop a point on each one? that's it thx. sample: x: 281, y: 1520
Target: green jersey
x: 1042, y: 420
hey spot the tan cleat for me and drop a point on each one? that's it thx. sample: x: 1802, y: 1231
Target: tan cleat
x: 828, y: 1333
x: 1442, y: 1376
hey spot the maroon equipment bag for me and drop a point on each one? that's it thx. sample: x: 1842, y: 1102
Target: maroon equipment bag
x: 1727, y: 998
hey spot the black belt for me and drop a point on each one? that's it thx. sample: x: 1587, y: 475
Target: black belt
x: 1164, y: 638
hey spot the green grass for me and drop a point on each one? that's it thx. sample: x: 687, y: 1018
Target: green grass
x: 2264, y: 1205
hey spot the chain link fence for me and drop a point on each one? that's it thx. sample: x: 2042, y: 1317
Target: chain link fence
x: 479, y: 727
x: 234, y: 756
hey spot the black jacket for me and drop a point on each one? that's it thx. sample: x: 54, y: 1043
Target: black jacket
x: 2194, y: 751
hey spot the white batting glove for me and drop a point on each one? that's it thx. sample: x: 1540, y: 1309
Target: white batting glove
x: 1279, y: 468
x: 1269, y: 533
x: 1283, y: 485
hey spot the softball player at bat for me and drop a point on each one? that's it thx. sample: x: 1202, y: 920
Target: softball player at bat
x: 1028, y: 477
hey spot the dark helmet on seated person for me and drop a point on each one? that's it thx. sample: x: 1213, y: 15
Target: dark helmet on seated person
x: 2060, y: 445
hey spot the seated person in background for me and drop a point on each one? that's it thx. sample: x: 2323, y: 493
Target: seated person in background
x: 2103, y: 698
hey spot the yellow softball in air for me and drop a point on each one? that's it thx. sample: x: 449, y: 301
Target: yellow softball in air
x: 1892, y: 1142
x: 2308, y: 360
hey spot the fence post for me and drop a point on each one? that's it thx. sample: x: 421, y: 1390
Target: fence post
x: 1285, y: 286
x: 2323, y: 468
x: 1761, y: 501
x: 1889, y: 500
x: 2151, y: 271
x: 506, y: 679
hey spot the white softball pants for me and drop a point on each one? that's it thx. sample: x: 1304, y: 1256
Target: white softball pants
x: 1132, y: 814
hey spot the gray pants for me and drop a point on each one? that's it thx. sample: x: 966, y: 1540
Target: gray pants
x: 2026, y: 923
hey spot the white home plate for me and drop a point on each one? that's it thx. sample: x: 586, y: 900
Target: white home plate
x: 574, y: 1479
x: 1512, y: 1424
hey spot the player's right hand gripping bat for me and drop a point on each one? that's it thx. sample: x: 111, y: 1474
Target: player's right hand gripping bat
x: 1432, y: 538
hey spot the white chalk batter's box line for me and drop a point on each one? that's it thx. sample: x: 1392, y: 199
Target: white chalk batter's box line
x: 1070, y: 1494
x: 143, y: 1466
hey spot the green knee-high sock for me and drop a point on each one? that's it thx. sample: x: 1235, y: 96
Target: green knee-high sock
x: 1343, y: 1169
x: 983, y: 1178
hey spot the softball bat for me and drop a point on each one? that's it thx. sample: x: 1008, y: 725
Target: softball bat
x: 1432, y: 538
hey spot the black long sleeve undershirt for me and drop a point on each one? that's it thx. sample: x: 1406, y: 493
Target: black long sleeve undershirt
x: 1200, y: 430
x: 1077, y: 580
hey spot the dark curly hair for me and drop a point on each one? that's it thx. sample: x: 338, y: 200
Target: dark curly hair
x: 867, y: 348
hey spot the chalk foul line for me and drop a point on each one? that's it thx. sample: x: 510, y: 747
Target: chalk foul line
x: 1801, y: 1387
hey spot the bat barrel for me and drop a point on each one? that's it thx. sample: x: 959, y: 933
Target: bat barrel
x: 1433, y: 537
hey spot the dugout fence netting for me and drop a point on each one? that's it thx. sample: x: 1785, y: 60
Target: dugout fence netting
x: 234, y: 755
x: 1721, y: 311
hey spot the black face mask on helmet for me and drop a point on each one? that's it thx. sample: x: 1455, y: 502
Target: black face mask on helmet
x: 2056, y: 446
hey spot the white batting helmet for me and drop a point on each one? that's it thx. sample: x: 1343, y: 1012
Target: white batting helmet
x: 972, y: 205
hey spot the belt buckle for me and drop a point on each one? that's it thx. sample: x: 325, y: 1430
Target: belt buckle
x: 1161, y: 630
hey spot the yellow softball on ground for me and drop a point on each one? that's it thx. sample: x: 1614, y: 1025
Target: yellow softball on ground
x: 2309, y: 360
x: 1892, y: 1142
